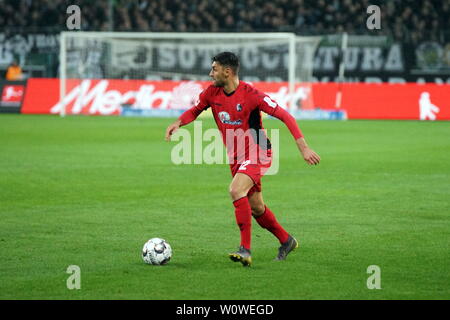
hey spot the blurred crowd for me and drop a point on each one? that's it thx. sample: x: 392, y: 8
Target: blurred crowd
x: 408, y: 20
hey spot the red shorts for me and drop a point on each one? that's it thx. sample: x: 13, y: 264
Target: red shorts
x: 254, y: 171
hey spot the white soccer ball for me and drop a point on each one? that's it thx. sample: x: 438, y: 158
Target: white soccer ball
x: 156, y: 251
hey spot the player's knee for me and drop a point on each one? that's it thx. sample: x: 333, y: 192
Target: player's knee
x: 236, y: 193
x: 258, y: 210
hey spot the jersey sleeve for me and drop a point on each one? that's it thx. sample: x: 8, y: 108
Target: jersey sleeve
x: 267, y: 105
x: 191, y: 114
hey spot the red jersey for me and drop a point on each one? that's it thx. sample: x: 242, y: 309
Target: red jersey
x: 238, y: 118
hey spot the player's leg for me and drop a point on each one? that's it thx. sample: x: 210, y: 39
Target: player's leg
x: 239, y: 187
x: 257, y: 204
x: 266, y: 219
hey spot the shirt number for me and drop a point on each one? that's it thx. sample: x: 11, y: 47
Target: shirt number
x: 244, y: 165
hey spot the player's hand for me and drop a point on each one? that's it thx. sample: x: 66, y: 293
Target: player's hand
x: 172, y: 128
x: 310, y: 156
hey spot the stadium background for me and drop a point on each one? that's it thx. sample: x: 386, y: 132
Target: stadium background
x: 90, y: 190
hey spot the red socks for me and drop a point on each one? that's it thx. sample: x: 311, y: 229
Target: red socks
x: 268, y: 221
x: 243, y: 214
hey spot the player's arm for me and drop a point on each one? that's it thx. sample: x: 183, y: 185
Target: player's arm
x: 272, y: 108
x: 188, y: 116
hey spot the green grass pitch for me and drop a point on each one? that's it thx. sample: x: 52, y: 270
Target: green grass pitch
x: 89, y: 191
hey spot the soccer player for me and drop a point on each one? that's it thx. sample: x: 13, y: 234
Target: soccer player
x: 236, y: 107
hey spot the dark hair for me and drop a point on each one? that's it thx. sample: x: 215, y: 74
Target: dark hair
x: 227, y: 59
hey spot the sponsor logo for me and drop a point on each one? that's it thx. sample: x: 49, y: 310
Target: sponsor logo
x: 12, y: 95
x: 430, y: 56
x: 225, y: 118
x: 185, y: 95
x: 108, y: 97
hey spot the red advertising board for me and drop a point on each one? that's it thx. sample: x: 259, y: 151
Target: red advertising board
x: 359, y: 100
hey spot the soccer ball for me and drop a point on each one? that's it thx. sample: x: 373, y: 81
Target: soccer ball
x: 156, y: 251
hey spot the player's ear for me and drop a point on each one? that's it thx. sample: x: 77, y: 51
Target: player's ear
x: 228, y: 71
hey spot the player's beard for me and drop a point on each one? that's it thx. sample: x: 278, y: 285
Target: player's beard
x: 219, y: 83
